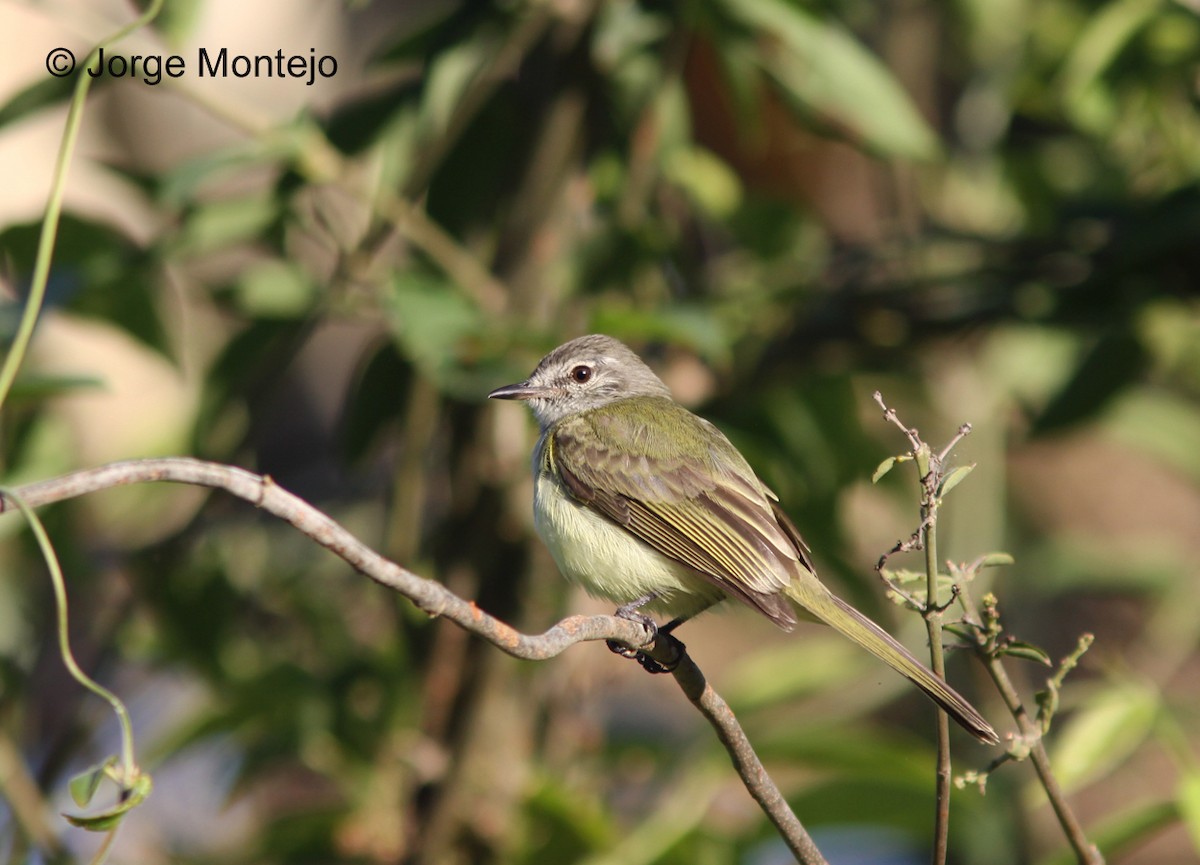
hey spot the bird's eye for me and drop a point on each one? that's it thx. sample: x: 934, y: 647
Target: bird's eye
x: 581, y: 373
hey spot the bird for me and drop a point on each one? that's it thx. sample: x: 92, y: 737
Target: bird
x: 650, y: 506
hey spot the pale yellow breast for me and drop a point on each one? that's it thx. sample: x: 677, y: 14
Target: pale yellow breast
x: 609, y: 562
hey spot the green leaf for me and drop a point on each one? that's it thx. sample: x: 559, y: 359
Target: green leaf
x: 1114, y: 363
x: 276, y: 289
x: 1107, y: 34
x: 954, y: 478
x: 430, y: 319
x: 827, y: 74
x: 706, y: 179
x: 992, y: 560
x: 378, y: 398
x: 1123, y: 832
x: 963, y: 631
x: 42, y: 386
x: 882, y: 469
x: 44, y: 92
x: 423, y: 32
x: 692, y: 325
x: 448, y: 77
x: 102, y: 821
x: 98, y: 272
x: 903, y: 576
x: 1104, y: 732
x: 214, y: 225
x: 1187, y: 797
x: 84, y: 785
x: 1026, y: 652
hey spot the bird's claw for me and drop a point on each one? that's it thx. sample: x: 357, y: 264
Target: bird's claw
x: 621, y: 649
x: 649, y: 664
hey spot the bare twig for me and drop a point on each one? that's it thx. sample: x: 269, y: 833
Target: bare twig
x: 262, y: 492
x: 931, y: 474
x: 436, y: 600
x: 1031, y: 733
x: 760, y: 785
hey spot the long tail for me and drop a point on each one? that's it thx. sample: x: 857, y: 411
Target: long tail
x: 851, y: 623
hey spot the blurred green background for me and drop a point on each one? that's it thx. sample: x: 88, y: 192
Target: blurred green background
x: 990, y: 211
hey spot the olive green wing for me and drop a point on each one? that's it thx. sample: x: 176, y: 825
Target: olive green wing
x: 675, y: 482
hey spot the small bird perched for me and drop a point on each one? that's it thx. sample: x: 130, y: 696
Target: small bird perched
x: 650, y: 506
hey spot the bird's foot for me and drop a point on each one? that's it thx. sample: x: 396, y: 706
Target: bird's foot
x: 649, y: 664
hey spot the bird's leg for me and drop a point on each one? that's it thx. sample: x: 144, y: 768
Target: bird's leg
x: 679, y: 620
x: 631, y: 612
x: 673, y: 624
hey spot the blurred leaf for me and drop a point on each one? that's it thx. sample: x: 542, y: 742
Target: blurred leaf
x: 1103, y: 732
x: 275, y: 289
x: 1026, y: 652
x: 569, y: 825
x: 954, y: 478
x: 963, y: 631
x: 378, y: 398
x: 851, y: 756
x: 97, y: 272
x: 84, y: 785
x: 431, y: 28
x: 1159, y: 423
x: 903, y: 576
x: 1077, y: 561
x: 882, y: 469
x: 623, y: 31
x: 102, y: 821
x: 1187, y: 798
x: 213, y: 225
x: 449, y: 75
x: 1123, y: 832
x: 691, y: 325
x: 177, y: 21
x: 354, y: 126
x: 430, y: 318
x: 791, y: 670
x: 1107, y: 33
x: 181, y: 185
x: 993, y: 560
x: 1116, y: 361
x: 40, y: 387
x: 237, y: 376
x: 44, y: 92
x: 706, y: 178
x: 827, y: 73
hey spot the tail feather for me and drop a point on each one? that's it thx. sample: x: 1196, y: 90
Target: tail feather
x: 852, y: 624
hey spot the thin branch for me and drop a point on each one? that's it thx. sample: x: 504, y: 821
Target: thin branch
x: 751, y: 770
x: 29, y: 809
x: 436, y: 600
x: 54, y: 203
x: 889, y: 415
x: 1031, y: 732
x: 937, y: 663
x: 264, y: 493
x: 931, y: 474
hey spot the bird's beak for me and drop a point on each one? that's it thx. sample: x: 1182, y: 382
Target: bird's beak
x: 521, y: 390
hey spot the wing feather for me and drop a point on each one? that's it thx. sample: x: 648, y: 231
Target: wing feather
x: 674, y: 481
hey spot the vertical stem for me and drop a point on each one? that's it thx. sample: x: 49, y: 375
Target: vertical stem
x: 937, y: 658
x: 1085, y: 851
x: 50, y: 219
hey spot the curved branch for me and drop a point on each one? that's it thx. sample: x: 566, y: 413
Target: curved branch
x: 436, y: 600
x: 262, y: 492
x: 749, y: 768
